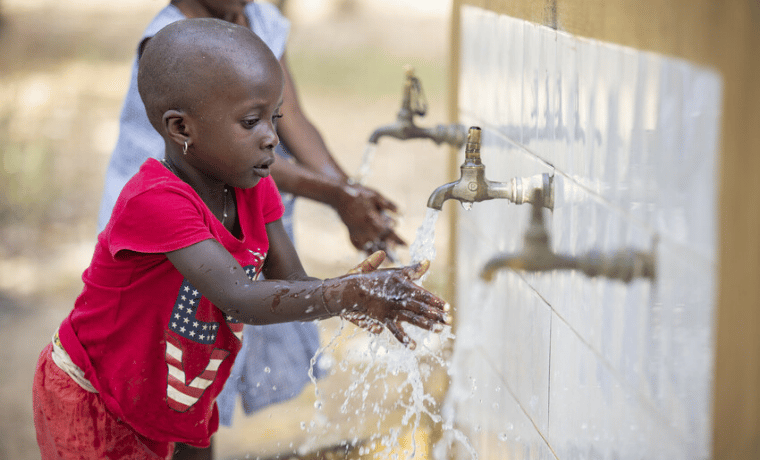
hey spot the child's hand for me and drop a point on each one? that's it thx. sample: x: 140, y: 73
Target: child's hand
x: 369, y: 264
x: 385, y: 298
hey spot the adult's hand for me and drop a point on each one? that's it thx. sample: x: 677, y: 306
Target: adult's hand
x: 365, y: 213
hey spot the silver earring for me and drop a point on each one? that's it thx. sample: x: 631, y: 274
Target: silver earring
x: 184, y: 149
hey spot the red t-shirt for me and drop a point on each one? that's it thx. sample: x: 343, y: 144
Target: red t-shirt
x: 155, y: 349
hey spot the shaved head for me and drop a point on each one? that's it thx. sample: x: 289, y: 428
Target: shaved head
x: 190, y: 61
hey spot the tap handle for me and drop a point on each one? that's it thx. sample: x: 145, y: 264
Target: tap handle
x: 414, y: 97
x: 472, y: 148
x: 537, y: 215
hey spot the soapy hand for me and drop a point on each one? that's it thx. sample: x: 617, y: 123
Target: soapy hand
x: 376, y: 299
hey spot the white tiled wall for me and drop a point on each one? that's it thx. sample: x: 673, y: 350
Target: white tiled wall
x: 556, y: 365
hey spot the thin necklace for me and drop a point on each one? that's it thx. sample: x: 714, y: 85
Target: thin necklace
x: 224, y: 214
x: 226, y: 190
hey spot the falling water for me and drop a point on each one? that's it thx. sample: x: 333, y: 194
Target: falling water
x: 423, y: 247
x: 389, y: 380
x: 366, y: 165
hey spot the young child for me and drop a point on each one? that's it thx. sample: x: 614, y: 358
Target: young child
x: 139, y: 361
x: 265, y: 372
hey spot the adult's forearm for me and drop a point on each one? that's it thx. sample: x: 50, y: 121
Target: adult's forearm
x: 300, y: 136
x: 298, y: 180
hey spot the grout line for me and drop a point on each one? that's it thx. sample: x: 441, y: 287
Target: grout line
x: 646, y: 402
x: 549, y: 375
x: 517, y: 401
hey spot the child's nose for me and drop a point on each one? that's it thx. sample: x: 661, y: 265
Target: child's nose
x: 270, y: 139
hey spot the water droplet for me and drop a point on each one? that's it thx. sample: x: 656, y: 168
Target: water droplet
x: 466, y: 205
x: 317, y: 404
x: 267, y: 370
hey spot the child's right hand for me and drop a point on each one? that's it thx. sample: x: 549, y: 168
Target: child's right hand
x: 387, y: 297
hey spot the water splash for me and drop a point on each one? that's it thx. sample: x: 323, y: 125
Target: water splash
x: 389, y: 378
x: 387, y: 382
x: 390, y: 361
x: 366, y: 165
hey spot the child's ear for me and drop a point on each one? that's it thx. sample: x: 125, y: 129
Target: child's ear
x: 175, y: 124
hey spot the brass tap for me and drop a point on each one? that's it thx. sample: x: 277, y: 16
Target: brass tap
x: 537, y: 256
x: 414, y: 103
x: 473, y: 186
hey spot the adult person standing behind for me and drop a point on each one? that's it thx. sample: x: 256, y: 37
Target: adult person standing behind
x: 273, y: 365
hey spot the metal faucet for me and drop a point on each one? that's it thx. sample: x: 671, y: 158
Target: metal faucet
x: 414, y: 103
x: 537, y: 256
x: 473, y: 186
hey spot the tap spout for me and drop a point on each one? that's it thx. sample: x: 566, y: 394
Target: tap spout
x: 473, y: 187
x: 537, y: 256
x: 405, y: 129
x: 413, y: 104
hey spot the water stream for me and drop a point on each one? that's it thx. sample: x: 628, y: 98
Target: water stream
x: 423, y: 247
x: 366, y: 164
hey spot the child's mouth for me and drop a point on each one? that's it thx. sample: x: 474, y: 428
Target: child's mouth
x: 261, y: 170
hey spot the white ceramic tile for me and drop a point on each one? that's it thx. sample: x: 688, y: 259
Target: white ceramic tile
x: 494, y: 422
x: 594, y: 414
x: 595, y: 368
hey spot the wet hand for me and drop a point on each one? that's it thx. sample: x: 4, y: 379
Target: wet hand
x: 365, y: 213
x: 369, y: 264
x: 386, y: 298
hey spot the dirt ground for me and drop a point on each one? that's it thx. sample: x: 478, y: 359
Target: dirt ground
x: 64, y: 71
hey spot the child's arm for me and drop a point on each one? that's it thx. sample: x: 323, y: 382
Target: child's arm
x: 387, y: 296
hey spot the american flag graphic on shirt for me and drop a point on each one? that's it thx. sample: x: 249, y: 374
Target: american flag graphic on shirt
x: 190, y: 337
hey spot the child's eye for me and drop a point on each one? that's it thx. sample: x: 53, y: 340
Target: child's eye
x: 250, y: 122
x: 276, y: 116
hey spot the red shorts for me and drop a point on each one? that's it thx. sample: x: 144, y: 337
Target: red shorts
x: 73, y: 423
